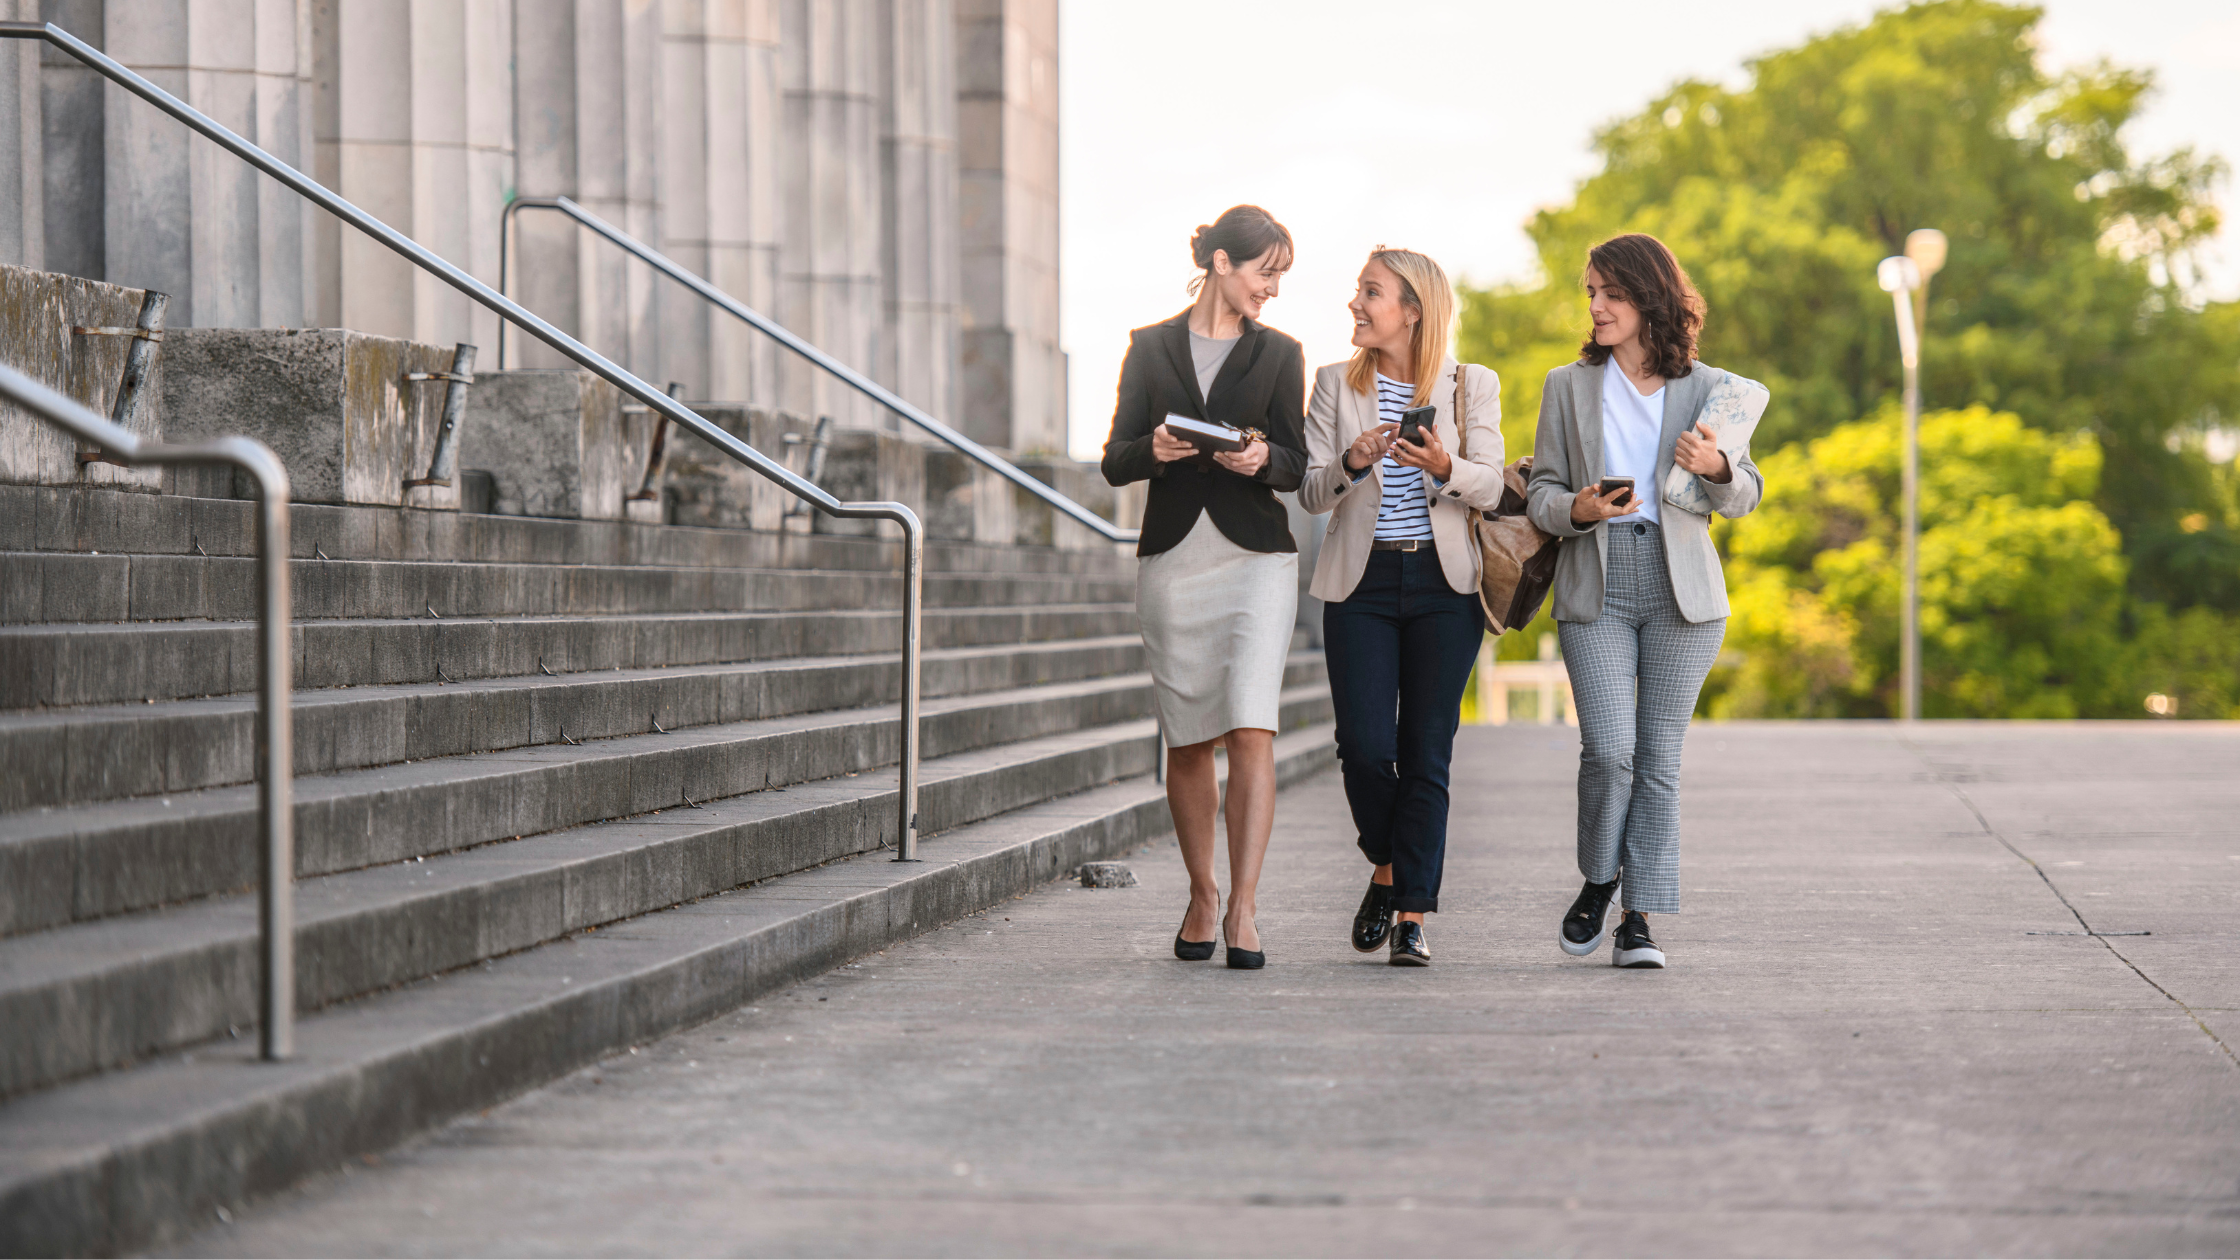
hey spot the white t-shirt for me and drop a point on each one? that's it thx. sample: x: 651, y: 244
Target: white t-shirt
x: 1632, y: 433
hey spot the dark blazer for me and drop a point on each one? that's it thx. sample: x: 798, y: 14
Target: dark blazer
x: 1263, y: 386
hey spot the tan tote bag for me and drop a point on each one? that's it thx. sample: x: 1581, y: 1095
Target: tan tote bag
x: 1516, y: 558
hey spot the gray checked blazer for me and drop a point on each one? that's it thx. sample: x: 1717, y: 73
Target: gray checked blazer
x: 1567, y: 454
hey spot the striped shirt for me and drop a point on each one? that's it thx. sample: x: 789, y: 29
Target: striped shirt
x: 1406, y: 509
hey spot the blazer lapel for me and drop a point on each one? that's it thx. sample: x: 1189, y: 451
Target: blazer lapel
x: 1236, y: 366
x: 1586, y: 403
x: 1175, y: 335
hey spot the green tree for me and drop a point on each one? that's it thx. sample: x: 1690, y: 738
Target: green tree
x: 2063, y: 301
x: 2022, y: 589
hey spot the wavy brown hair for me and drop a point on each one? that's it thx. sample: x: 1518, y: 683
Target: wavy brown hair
x: 1653, y: 280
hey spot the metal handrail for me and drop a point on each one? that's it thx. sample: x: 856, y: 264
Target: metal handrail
x: 784, y: 336
x: 913, y: 531
x: 275, y: 743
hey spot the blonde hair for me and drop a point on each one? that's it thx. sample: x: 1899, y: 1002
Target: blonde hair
x: 1423, y: 285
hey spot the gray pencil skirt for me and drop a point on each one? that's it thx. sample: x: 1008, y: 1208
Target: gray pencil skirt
x: 1217, y: 622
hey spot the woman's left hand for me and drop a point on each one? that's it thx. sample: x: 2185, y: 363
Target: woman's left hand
x: 1246, y: 462
x: 1699, y: 453
x: 1431, y: 456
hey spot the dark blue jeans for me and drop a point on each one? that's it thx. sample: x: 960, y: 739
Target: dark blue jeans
x: 1400, y: 651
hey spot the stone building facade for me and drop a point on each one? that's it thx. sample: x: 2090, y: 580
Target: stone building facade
x: 878, y: 175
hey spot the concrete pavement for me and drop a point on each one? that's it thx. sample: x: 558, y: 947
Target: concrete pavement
x: 1883, y: 1032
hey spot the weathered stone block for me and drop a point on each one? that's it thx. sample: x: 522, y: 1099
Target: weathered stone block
x: 1040, y: 525
x: 862, y: 464
x: 708, y: 487
x: 37, y: 311
x: 967, y: 502
x: 556, y: 442
x: 333, y: 404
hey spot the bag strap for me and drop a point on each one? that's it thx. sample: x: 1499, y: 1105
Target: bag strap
x: 1461, y: 413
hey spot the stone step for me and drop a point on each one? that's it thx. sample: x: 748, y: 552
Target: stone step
x: 110, y: 522
x: 90, y: 861
x: 94, y: 995
x: 67, y: 586
x: 107, y: 752
x: 55, y: 665
x: 116, y: 1162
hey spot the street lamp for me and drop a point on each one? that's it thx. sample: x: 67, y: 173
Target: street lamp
x: 1925, y: 249
x: 1900, y: 277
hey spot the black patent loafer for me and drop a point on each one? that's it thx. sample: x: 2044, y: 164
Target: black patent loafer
x: 1634, y: 948
x: 1373, y: 922
x: 1408, y: 949
x: 1588, y: 919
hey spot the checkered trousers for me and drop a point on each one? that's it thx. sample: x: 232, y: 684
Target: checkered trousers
x: 1635, y: 672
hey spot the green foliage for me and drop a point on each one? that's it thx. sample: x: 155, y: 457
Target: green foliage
x: 2061, y: 302
x: 2023, y: 609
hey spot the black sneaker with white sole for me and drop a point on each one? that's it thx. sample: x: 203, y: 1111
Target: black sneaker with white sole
x: 1587, y: 920
x: 1634, y: 948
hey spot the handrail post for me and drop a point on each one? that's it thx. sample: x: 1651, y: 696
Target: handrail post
x: 913, y: 594
x: 275, y: 763
x: 275, y: 674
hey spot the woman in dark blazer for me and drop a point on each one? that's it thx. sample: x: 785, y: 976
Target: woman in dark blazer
x: 1217, y: 584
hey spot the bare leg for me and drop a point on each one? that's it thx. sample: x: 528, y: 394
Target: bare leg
x: 1252, y: 815
x: 1194, y: 798
x: 1382, y: 875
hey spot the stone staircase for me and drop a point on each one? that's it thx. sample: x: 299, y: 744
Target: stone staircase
x: 564, y: 785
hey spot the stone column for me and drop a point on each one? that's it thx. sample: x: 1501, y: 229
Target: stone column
x: 828, y: 270
x: 414, y: 124
x: 588, y: 96
x: 919, y: 211
x: 719, y: 177
x: 137, y: 199
x: 22, y: 182
x: 1007, y: 125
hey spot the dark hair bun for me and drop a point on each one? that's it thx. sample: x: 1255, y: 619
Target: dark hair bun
x: 1244, y: 233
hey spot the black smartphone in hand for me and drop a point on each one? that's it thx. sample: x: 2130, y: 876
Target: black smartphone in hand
x: 1412, y: 422
x: 1624, y: 485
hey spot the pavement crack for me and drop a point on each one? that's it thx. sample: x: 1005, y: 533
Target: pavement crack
x: 1937, y: 772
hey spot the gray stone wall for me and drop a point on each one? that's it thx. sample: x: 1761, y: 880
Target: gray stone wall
x: 878, y: 175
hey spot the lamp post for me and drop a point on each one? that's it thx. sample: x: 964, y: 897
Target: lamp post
x: 1925, y: 248
x: 1900, y: 277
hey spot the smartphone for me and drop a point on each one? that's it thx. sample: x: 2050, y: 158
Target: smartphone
x: 1622, y: 484
x: 1412, y: 422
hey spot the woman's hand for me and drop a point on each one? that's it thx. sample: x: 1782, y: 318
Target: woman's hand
x: 1246, y: 462
x: 1591, y: 505
x: 1370, y: 446
x: 1431, y: 455
x: 1167, y: 448
x: 1699, y: 453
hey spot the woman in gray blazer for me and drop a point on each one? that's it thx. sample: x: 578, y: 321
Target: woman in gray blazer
x: 1640, y: 601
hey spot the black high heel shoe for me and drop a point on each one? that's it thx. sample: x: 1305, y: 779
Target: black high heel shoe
x: 1242, y: 959
x: 1191, y: 951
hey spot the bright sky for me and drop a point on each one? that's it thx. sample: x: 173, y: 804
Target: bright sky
x: 1441, y: 125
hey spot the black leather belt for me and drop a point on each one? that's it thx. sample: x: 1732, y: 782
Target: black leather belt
x: 1401, y: 544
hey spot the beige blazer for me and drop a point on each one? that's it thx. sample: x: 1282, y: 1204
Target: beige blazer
x: 1567, y: 454
x: 1336, y: 415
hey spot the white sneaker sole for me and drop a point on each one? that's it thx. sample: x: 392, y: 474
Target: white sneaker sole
x: 1639, y: 958
x: 1581, y: 951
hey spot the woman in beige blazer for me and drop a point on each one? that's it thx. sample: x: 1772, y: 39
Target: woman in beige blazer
x: 1401, y: 622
